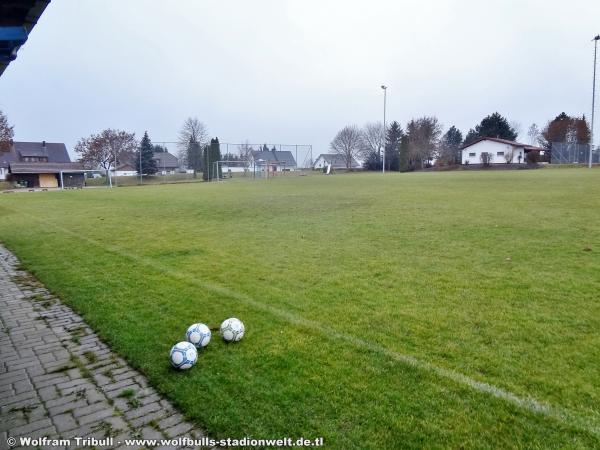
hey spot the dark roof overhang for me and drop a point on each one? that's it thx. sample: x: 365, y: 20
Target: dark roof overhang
x: 17, y: 19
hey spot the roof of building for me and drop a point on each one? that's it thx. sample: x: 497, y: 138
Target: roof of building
x: 126, y: 166
x: 503, y: 141
x: 17, y: 167
x: 337, y: 160
x: 282, y: 157
x: 55, y: 152
x: 17, y: 18
x: 165, y: 160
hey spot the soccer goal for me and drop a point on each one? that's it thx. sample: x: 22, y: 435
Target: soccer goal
x: 232, y: 169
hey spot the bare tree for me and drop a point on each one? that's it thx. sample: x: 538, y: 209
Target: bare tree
x: 245, y: 150
x: 372, y: 139
x: 517, y: 128
x: 534, y: 134
x: 423, y: 136
x: 509, y: 156
x: 571, y: 136
x: 6, y: 133
x: 486, y: 159
x: 106, y: 149
x: 193, y: 130
x: 348, y: 143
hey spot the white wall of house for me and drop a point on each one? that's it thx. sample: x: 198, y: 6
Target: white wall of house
x: 3, y: 173
x: 320, y: 163
x: 124, y: 173
x: 498, y: 150
x: 234, y: 168
x: 260, y: 166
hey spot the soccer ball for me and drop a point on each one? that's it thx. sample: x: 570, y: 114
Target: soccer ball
x: 198, y: 334
x: 183, y: 355
x: 232, y: 330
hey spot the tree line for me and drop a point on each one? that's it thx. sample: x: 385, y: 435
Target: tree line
x: 111, y: 148
x: 417, y: 146
x: 196, y: 151
x: 423, y: 141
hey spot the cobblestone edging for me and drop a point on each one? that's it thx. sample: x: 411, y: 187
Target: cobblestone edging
x: 57, y: 379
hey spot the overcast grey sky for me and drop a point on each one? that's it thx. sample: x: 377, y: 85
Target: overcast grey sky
x: 296, y: 71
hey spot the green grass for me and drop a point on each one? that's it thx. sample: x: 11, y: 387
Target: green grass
x: 155, y: 179
x: 162, y: 179
x: 340, y: 281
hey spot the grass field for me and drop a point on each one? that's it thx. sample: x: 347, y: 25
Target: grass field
x: 436, y: 310
x: 135, y: 180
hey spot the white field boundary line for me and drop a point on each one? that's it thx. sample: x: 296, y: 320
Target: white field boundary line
x: 529, y: 404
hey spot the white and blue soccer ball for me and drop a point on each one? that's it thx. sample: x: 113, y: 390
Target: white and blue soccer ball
x: 232, y: 329
x: 198, y: 334
x: 183, y: 355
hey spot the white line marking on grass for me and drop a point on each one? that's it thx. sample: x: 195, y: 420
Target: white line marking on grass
x: 527, y: 403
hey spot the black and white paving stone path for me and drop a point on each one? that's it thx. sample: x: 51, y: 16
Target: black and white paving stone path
x: 59, y: 380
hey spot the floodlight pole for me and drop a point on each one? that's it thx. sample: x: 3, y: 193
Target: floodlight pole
x: 384, y: 105
x: 596, y: 39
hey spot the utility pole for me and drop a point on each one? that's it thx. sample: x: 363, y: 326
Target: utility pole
x: 384, y: 104
x: 596, y: 39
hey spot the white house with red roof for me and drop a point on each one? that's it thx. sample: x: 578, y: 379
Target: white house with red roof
x: 502, y: 151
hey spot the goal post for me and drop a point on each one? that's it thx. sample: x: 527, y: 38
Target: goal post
x: 227, y: 169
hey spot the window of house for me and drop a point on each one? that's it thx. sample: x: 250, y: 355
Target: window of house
x: 472, y: 154
x: 499, y: 153
x: 35, y: 159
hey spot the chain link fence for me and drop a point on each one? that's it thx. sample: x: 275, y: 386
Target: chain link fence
x: 567, y: 153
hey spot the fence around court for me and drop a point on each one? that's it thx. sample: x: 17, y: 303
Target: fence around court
x: 233, y: 164
x: 302, y: 153
x: 571, y: 153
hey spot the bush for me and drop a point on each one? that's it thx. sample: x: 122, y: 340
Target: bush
x: 532, y: 157
x: 486, y: 159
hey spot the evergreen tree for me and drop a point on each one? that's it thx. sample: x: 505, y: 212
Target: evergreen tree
x: 265, y: 148
x: 372, y: 162
x: 450, y: 145
x: 392, y: 146
x: 404, y: 154
x: 206, y: 163
x: 194, y: 156
x: 148, y: 164
x: 472, y: 136
x: 216, y: 156
x: 495, y: 126
x: 212, y: 154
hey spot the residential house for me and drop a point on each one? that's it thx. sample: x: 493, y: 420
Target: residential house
x: 40, y: 164
x: 272, y: 160
x: 166, y: 163
x: 336, y: 161
x: 501, y: 151
x: 125, y: 168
